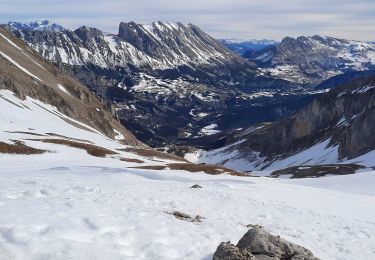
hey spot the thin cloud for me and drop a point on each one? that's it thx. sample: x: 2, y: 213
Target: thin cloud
x: 352, y: 19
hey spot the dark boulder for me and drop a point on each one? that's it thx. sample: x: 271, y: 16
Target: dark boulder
x: 257, y: 244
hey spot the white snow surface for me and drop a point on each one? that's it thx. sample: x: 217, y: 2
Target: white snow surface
x: 209, y: 130
x: 62, y: 88
x: 66, y: 204
x: 91, y: 211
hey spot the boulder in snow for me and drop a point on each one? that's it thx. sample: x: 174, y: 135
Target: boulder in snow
x: 257, y: 244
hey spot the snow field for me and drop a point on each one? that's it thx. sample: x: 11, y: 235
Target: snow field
x: 96, y: 212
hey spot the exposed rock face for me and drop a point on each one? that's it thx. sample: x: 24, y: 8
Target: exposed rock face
x: 257, y: 244
x: 311, y: 60
x: 168, y: 80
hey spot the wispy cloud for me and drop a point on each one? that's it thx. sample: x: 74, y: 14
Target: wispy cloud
x: 352, y: 19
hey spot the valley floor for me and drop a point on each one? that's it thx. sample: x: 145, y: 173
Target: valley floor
x: 99, y: 210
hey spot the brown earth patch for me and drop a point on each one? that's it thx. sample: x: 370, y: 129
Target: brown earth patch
x: 150, y: 153
x: 186, y: 217
x: 93, y: 150
x: 190, y: 167
x: 19, y: 148
x: 131, y: 160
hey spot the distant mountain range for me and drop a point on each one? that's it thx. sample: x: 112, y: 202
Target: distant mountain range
x: 36, y: 26
x: 242, y: 46
x: 311, y: 60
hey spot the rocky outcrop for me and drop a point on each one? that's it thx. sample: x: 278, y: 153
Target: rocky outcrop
x: 257, y: 244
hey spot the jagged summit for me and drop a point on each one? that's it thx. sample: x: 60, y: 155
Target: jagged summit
x: 44, y: 25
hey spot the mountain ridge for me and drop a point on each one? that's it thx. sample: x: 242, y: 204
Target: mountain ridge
x: 242, y: 46
x: 312, y: 59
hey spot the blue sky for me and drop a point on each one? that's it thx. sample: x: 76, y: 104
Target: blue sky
x: 274, y: 19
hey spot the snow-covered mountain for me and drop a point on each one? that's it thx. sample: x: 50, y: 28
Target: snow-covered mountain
x: 241, y: 46
x: 335, y: 128
x: 36, y: 26
x: 158, y: 45
x: 313, y: 59
x: 169, y: 80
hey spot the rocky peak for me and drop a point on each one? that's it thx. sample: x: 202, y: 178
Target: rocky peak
x: 37, y: 25
x: 168, y: 41
x: 136, y: 35
x: 91, y: 38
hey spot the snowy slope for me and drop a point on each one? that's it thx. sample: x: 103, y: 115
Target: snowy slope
x: 100, y: 210
x: 66, y: 204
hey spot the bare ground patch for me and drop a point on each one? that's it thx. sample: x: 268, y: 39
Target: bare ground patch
x: 150, y: 153
x: 131, y: 160
x: 19, y: 148
x: 93, y: 150
x: 190, y: 167
x: 186, y: 217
